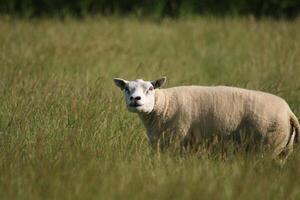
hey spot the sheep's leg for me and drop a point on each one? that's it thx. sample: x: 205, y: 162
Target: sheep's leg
x: 165, y: 138
x: 285, y: 146
x: 188, y: 141
x: 284, y: 151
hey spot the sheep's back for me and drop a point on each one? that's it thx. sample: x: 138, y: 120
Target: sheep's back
x: 224, y: 109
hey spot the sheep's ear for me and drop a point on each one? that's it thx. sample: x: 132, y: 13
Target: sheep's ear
x: 159, y: 82
x: 120, y: 83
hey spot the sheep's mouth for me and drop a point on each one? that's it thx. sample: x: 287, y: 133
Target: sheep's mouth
x: 134, y: 105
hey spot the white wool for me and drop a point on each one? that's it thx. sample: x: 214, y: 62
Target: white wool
x: 197, y: 112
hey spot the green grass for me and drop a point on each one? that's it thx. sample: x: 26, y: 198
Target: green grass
x: 65, y: 131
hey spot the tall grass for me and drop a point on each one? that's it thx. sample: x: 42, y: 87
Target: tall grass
x: 66, y: 134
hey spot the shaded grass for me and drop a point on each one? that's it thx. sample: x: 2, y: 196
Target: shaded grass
x: 65, y: 133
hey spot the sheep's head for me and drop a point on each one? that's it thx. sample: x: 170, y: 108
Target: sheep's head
x: 139, y: 94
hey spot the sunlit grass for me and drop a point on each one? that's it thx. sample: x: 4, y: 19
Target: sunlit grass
x: 66, y: 134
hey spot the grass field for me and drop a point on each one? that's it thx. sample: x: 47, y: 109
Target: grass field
x: 65, y: 132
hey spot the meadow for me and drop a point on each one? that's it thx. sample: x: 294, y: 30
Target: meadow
x: 65, y: 132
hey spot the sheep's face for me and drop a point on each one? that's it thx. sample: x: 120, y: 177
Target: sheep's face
x: 139, y: 94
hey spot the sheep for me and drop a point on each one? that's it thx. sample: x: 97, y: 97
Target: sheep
x: 199, y: 112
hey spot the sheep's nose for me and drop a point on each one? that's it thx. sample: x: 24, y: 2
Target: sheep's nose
x: 135, y: 98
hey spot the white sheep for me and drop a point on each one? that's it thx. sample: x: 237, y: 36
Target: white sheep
x: 197, y: 112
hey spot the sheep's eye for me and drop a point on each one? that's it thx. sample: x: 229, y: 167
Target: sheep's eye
x: 150, y: 89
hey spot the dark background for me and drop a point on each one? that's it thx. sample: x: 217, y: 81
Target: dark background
x: 158, y: 8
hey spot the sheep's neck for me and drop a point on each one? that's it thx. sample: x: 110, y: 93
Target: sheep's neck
x: 159, y: 116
